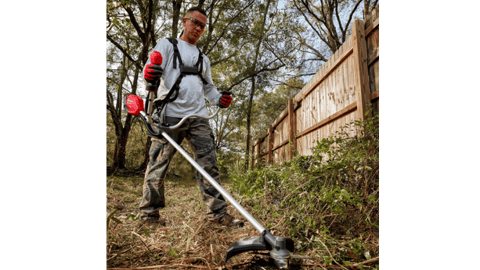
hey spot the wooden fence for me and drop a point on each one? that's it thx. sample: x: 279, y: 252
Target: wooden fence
x: 340, y: 92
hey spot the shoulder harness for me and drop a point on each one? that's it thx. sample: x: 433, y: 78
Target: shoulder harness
x: 197, y: 69
x: 184, y: 70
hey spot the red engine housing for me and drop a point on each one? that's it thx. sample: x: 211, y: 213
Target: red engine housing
x: 134, y: 104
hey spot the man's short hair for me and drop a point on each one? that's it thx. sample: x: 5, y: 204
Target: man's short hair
x: 199, y: 9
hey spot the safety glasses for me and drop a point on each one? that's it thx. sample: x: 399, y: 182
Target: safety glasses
x: 197, y: 22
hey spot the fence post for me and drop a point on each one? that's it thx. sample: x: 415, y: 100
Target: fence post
x: 253, y: 156
x: 270, y: 144
x: 257, y: 150
x: 362, y: 87
x: 291, y: 129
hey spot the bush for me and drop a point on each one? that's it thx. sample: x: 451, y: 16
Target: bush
x: 327, y: 200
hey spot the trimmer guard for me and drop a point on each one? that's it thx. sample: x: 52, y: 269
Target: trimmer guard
x: 279, y: 254
x: 247, y: 244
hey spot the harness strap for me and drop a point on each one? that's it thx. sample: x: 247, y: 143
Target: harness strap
x: 187, y: 70
x: 184, y: 70
x: 176, y: 53
x: 200, y: 63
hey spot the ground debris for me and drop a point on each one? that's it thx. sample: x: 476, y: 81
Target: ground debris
x: 188, y: 240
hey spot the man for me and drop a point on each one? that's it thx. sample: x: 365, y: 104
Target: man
x: 185, y: 74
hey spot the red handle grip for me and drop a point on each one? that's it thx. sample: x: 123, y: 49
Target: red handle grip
x: 156, y: 58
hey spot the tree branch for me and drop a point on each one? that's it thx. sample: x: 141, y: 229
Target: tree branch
x: 255, y: 74
x: 123, y: 51
x: 316, y: 52
x: 325, y: 21
x: 148, y: 30
x: 135, y: 23
x: 226, y: 27
x: 223, y: 59
x: 350, y: 19
x: 311, y: 25
x: 339, y: 22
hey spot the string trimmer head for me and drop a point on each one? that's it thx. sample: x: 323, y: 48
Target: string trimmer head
x: 279, y: 247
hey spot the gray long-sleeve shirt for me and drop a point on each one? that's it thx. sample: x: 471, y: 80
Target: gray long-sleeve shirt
x: 192, y: 91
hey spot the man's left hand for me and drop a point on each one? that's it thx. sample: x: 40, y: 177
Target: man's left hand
x: 225, y: 100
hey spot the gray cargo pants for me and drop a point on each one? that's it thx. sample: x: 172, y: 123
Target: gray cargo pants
x: 200, y: 136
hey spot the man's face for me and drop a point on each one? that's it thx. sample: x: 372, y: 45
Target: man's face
x: 193, y: 24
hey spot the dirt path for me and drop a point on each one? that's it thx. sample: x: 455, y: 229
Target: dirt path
x: 187, y: 241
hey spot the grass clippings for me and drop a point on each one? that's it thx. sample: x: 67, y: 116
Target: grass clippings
x: 188, y: 240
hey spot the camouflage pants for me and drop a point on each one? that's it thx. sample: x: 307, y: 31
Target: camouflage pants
x: 200, y: 136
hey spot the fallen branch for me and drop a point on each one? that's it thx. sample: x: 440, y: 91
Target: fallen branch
x: 342, y: 266
x: 365, y: 262
x: 120, y: 253
x: 331, y: 254
x: 195, y: 233
x: 141, y: 239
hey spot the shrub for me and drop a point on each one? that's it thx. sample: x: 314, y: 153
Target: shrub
x: 326, y: 200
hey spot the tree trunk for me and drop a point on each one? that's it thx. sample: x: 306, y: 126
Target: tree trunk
x: 249, y: 121
x: 177, y: 5
x: 119, y: 154
x: 122, y: 131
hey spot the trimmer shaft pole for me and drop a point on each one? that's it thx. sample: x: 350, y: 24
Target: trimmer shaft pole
x: 224, y: 193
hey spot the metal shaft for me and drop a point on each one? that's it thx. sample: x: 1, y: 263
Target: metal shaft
x: 222, y: 191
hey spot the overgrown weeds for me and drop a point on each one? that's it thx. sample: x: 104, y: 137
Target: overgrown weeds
x: 328, y: 202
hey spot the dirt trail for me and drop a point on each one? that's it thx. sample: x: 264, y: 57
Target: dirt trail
x: 187, y: 241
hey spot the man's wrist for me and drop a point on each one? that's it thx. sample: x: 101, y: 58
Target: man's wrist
x: 151, y: 87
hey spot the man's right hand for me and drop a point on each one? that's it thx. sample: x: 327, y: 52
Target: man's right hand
x: 152, y: 73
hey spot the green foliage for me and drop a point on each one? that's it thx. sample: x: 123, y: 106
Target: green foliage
x: 111, y: 217
x: 180, y: 168
x: 329, y: 199
x: 173, y: 253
